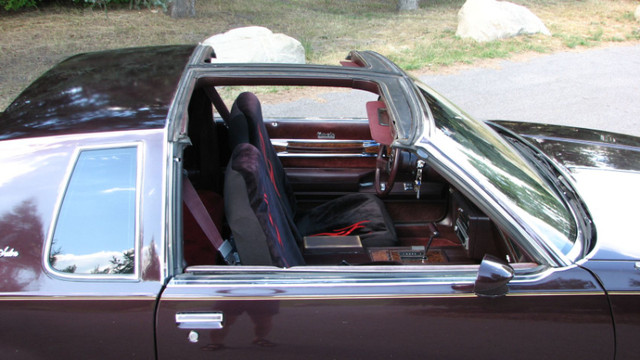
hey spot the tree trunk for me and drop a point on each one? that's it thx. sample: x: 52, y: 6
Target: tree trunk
x: 406, y: 5
x: 182, y: 9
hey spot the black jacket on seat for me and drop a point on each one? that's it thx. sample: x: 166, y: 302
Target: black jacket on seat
x: 353, y: 214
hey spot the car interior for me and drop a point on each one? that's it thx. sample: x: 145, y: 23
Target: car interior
x: 293, y: 190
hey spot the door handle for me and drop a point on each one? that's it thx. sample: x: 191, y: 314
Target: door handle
x: 212, y: 320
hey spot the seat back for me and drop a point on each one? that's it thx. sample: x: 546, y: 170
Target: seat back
x: 260, y: 225
x: 248, y: 105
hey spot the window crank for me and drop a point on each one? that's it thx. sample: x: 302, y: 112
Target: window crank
x: 418, y: 181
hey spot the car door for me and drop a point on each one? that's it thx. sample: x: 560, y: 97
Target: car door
x: 384, y: 312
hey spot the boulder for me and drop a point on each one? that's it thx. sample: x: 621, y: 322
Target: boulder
x: 256, y: 44
x: 637, y: 13
x: 407, y: 5
x: 179, y: 9
x: 488, y: 20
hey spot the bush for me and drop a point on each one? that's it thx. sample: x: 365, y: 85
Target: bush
x: 17, y: 4
x: 12, y: 5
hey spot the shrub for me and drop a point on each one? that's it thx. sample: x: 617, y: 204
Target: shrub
x: 17, y: 4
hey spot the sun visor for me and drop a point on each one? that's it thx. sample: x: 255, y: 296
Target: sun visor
x: 379, y: 122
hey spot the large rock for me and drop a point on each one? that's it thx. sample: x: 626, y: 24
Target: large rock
x: 182, y: 9
x: 407, y: 5
x: 488, y: 20
x: 256, y: 44
x: 637, y: 13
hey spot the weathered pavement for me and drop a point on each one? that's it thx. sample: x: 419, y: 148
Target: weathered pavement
x: 598, y: 88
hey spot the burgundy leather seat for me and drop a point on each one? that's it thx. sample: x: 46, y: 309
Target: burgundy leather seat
x: 353, y: 214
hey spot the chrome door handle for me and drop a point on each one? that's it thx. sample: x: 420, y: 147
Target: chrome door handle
x: 200, y: 320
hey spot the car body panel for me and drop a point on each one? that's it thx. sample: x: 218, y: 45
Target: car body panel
x: 605, y: 167
x: 43, y: 311
x: 622, y: 281
x: 377, y: 315
x: 576, y: 147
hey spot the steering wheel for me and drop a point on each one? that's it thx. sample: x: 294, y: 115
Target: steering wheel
x: 386, y: 166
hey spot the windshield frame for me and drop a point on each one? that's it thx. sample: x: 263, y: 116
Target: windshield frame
x: 526, y: 229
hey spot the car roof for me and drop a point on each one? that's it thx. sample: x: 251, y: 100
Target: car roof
x: 134, y: 89
x: 109, y: 90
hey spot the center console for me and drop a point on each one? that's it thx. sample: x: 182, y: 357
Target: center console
x: 348, y: 250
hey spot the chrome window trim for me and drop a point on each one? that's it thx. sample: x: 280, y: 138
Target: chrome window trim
x: 525, y: 272
x: 62, y: 191
x: 324, y: 155
x: 253, y: 281
x: 286, y: 142
x: 276, y: 121
x: 283, y: 142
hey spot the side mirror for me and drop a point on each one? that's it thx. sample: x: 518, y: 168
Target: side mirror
x: 493, y: 277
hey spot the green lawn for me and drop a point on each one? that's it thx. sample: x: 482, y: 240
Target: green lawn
x: 424, y: 40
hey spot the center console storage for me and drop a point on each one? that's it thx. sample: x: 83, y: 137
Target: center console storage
x: 348, y: 250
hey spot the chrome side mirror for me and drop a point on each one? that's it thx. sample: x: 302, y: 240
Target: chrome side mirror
x: 493, y: 277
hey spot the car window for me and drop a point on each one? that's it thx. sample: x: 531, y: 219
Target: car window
x: 497, y: 165
x: 95, y: 229
x: 306, y: 102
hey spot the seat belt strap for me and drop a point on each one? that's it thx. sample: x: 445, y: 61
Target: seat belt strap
x: 201, y: 215
x: 217, y: 102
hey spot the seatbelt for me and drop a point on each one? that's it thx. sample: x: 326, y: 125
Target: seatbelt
x: 217, y: 102
x: 201, y: 215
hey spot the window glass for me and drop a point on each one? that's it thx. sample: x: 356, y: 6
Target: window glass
x: 95, y: 229
x: 305, y: 101
x: 492, y: 161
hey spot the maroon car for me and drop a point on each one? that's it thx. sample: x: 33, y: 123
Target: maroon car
x: 156, y: 203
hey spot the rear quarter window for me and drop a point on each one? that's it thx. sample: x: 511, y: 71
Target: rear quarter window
x: 95, y: 229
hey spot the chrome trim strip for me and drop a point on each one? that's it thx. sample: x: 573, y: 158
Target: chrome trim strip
x: 370, y: 297
x: 621, y: 293
x: 285, y: 143
x: 326, y: 155
x: 320, y: 297
x: 275, y: 121
x: 77, y: 298
x: 221, y: 270
x: 340, y: 277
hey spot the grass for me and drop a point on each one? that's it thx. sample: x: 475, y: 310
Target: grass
x: 423, y: 40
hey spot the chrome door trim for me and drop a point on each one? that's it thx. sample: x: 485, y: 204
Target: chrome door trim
x: 286, y: 143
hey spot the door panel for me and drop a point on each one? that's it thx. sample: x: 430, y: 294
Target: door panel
x: 325, y: 155
x: 387, y: 314
x: 323, y: 129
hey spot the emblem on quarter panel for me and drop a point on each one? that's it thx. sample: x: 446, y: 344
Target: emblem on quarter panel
x: 8, y: 252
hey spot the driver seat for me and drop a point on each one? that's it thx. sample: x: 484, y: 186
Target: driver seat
x: 354, y: 214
